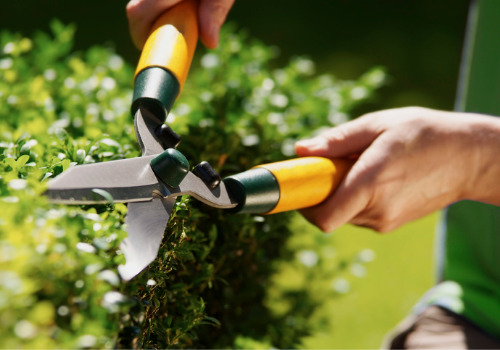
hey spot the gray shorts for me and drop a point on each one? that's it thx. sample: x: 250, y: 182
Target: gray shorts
x: 438, y: 328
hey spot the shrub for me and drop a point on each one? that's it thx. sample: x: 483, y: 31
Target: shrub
x: 210, y: 285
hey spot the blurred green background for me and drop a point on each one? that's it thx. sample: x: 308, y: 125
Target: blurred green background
x: 417, y: 41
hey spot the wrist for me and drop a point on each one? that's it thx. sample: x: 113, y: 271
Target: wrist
x: 484, y: 184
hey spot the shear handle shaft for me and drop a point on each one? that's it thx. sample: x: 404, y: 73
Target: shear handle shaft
x: 287, y: 185
x: 166, y: 58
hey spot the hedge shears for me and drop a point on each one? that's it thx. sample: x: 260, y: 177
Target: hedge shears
x: 150, y: 183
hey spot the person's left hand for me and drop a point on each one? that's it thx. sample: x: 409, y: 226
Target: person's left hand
x: 211, y: 15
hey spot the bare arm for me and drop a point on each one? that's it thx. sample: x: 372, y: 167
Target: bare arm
x: 412, y: 162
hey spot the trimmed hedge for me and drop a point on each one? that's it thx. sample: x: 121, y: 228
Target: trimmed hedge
x: 210, y: 285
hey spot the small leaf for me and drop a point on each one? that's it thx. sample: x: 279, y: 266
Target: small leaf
x: 65, y: 164
x: 104, y: 194
x: 212, y: 321
x: 11, y: 162
x: 21, y: 161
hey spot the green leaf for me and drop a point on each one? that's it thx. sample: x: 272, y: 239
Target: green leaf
x: 104, y: 194
x: 10, y: 162
x: 21, y: 161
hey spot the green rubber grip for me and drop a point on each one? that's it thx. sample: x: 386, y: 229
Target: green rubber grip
x: 256, y: 190
x: 156, y: 89
x: 171, y: 167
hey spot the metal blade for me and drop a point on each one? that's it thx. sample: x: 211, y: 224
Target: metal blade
x: 145, y: 224
x: 127, y: 180
x: 145, y: 124
x: 218, y: 197
x: 146, y: 221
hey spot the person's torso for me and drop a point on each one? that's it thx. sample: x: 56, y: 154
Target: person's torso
x: 470, y: 252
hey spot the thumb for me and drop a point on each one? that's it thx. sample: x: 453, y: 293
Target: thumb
x: 212, y: 14
x: 353, y: 195
x: 347, y: 139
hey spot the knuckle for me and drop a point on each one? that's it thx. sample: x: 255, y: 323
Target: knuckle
x: 382, y: 228
x: 134, y: 8
x: 325, y: 227
x: 376, y: 116
x: 387, y: 222
x: 381, y: 220
x: 371, y: 115
x: 318, y: 218
x: 340, y: 135
x: 335, y: 135
x: 415, y: 110
x: 375, y: 224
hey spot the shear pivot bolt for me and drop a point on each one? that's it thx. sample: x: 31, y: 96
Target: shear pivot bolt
x: 171, y: 167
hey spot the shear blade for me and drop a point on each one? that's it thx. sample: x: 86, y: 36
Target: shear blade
x: 145, y: 224
x: 127, y: 180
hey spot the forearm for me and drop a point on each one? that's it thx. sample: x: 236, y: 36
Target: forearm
x: 485, y: 178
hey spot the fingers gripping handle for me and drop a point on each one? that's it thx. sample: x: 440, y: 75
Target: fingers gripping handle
x: 172, y: 41
x: 305, y: 182
x: 166, y: 58
x: 288, y: 185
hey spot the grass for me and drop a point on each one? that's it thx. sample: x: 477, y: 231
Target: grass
x: 403, y: 269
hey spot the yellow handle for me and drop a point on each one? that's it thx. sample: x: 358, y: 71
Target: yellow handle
x: 172, y: 41
x: 305, y: 182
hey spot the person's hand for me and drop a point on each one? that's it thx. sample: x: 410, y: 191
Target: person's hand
x: 142, y: 14
x: 412, y: 161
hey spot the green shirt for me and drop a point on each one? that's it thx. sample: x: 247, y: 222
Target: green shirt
x: 469, y: 260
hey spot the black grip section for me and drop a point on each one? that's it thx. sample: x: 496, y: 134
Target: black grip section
x: 155, y: 88
x: 256, y: 191
x: 207, y: 174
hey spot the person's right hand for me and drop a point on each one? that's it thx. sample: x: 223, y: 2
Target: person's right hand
x: 412, y: 161
x: 211, y: 15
